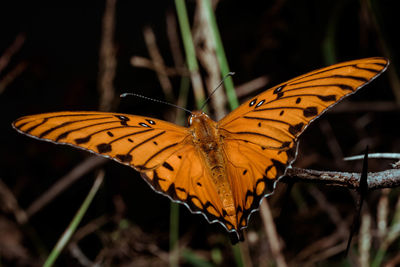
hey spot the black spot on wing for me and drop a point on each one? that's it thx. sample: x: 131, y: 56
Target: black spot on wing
x: 124, y: 157
x: 180, y: 189
x: 253, y: 102
x: 130, y: 140
x: 151, y: 122
x: 298, y: 100
x: 327, y: 98
x: 295, y: 129
x: 285, y: 144
x: 83, y: 140
x: 110, y: 134
x: 310, y: 112
x: 167, y: 166
x: 104, y: 148
x: 279, y: 166
x: 278, y: 91
x: 123, y: 119
x: 281, y: 113
x: 244, y: 172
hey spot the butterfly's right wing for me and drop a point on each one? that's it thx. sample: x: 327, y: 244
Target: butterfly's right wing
x: 161, y: 151
x: 140, y: 142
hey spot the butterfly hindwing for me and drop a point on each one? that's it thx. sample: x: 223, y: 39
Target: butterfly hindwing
x: 183, y: 178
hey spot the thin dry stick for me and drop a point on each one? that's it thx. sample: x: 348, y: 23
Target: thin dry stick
x: 81, y: 169
x: 273, y: 238
x: 11, y: 50
x: 383, y: 213
x: 205, y: 50
x: 365, y: 240
x: 158, y: 63
x: 10, y: 203
x: 376, y: 180
x: 11, y: 75
x: 142, y: 62
x: 107, y: 58
x: 250, y: 87
x: 174, y: 41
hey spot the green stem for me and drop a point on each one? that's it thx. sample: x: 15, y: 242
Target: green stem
x: 190, y: 51
x: 66, y: 236
x: 220, y: 52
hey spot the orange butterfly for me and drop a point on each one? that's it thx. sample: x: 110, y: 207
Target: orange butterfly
x: 219, y: 169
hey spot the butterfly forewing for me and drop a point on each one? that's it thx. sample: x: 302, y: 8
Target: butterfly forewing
x: 143, y: 143
x: 279, y: 115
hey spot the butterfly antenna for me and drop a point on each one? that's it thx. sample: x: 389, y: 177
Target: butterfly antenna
x: 155, y: 100
x: 230, y: 74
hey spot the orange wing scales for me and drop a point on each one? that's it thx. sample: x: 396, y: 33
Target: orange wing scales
x: 222, y: 170
x: 140, y: 142
x: 184, y: 180
x: 262, y: 132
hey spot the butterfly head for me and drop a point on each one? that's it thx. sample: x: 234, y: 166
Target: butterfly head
x: 197, y: 117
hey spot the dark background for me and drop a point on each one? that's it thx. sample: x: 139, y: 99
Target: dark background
x: 280, y: 39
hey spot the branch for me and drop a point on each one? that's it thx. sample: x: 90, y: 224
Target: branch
x: 376, y: 180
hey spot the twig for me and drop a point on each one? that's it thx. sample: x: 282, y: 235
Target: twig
x: 248, y: 88
x: 11, y: 50
x: 107, y: 58
x: 375, y: 156
x: 205, y: 48
x: 174, y: 41
x: 158, y: 63
x: 365, y: 240
x: 11, y: 75
x: 142, y: 62
x: 376, y: 180
x: 62, y: 184
x: 272, y: 234
x: 11, y: 204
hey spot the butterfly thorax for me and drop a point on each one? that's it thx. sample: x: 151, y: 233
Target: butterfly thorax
x: 209, y: 145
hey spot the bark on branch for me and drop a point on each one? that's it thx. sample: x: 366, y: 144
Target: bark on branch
x: 376, y: 180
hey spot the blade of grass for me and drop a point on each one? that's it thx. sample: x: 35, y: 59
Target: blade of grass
x: 66, y: 236
x: 174, y: 235
x: 220, y: 52
x: 190, y: 52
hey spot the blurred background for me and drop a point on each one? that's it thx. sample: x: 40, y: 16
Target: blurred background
x: 64, y: 57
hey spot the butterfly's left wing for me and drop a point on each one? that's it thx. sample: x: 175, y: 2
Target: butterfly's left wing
x: 260, y: 136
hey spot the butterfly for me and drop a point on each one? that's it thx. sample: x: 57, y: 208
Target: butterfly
x: 222, y: 169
